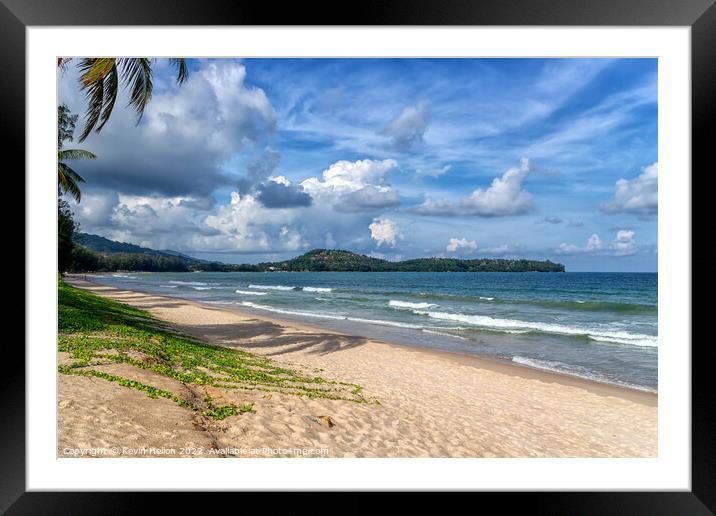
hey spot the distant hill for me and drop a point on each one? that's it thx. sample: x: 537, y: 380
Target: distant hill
x: 105, y: 245
x: 96, y: 253
x: 102, y: 254
x: 346, y: 261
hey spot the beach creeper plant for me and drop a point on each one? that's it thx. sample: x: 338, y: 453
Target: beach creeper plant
x: 96, y: 332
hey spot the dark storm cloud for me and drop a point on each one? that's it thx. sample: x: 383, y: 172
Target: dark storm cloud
x: 258, y: 169
x: 369, y: 198
x: 278, y: 195
x: 178, y: 148
x: 137, y: 175
x: 271, y: 192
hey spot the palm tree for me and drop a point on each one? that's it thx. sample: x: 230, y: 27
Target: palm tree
x: 67, y: 178
x: 100, y: 81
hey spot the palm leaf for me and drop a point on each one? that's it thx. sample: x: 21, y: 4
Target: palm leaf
x: 95, y: 103
x: 62, y: 63
x: 182, y: 70
x: 95, y: 69
x: 100, y: 80
x: 111, y: 89
x: 137, y: 75
x: 68, y: 179
x: 74, y: 154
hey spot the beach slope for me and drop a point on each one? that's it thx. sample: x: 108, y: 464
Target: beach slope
x: 414, y: 402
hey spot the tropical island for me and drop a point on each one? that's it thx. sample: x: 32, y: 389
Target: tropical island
x: 92, y: 253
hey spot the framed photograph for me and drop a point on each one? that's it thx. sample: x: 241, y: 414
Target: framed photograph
x: 444, y: 248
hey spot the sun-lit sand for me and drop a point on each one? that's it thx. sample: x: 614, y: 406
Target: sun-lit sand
x: 431, y: 404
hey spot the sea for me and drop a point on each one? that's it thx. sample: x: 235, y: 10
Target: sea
x: 597, y: 326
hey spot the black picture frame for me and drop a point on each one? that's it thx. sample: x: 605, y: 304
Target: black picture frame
x: 700, y: 15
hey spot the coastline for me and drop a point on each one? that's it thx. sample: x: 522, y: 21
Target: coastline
x: 502, y: 409
x: 481, y: 362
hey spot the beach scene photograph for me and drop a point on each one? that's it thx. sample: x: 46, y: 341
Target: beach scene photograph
x: 357, y: 257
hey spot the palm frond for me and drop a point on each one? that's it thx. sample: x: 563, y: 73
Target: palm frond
x: 95, y: 104
x: 69, y: 173
x: 62, y: 63
x: 68, y: 179
x: 137, y: 74
x: 69, y: 154
x: 111, y: 90
x: 95, y: 69
x: 182, y: 70
x: 100, y: 78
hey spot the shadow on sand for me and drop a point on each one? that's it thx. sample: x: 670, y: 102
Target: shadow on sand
x: 272, y: 338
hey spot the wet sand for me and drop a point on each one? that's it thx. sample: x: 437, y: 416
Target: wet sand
x: 431, y: 403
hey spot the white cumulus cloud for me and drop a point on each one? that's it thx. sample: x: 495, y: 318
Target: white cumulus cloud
x: 178, y: 148
x: 233, y: 113
x: 353, y: 186
x: 384, y: 231
x: 639, y: 196
x: 245, y: 225
x: 460, y: 243
x: 624, y: 243
x: 594, y: 243
x: 505, y: 196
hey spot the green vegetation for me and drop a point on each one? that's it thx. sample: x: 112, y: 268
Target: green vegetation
x: 65, y: 233
x: 96, y: 332
x: 67, y: 183
x: 68, y: 180
x: 95, y: 253
x: 337, y: 260
x: 105, y: 245
x: 85, y: 260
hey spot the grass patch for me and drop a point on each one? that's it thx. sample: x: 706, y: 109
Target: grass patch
x: 97, y: 331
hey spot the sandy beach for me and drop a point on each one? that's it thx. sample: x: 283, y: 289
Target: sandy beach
x: 423, y: 403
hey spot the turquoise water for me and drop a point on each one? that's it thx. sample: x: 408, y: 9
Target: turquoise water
x: 601, y: 326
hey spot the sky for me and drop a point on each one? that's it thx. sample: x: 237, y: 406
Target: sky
x: 263, y: 159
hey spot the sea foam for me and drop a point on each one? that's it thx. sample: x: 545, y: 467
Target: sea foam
x: 330, y: 316
x: 291, y: 312
x: 509, y: 325
x: 406, y: 304
x: 317, y: 289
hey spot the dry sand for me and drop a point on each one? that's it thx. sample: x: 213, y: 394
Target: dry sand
x: 432, y: 404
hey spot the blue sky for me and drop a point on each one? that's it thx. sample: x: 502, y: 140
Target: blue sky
x: 262, y: 159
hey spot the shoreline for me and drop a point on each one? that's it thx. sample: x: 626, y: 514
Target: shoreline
x: 420, y: 402
x: 636, y: 395
x: 477, y: 361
